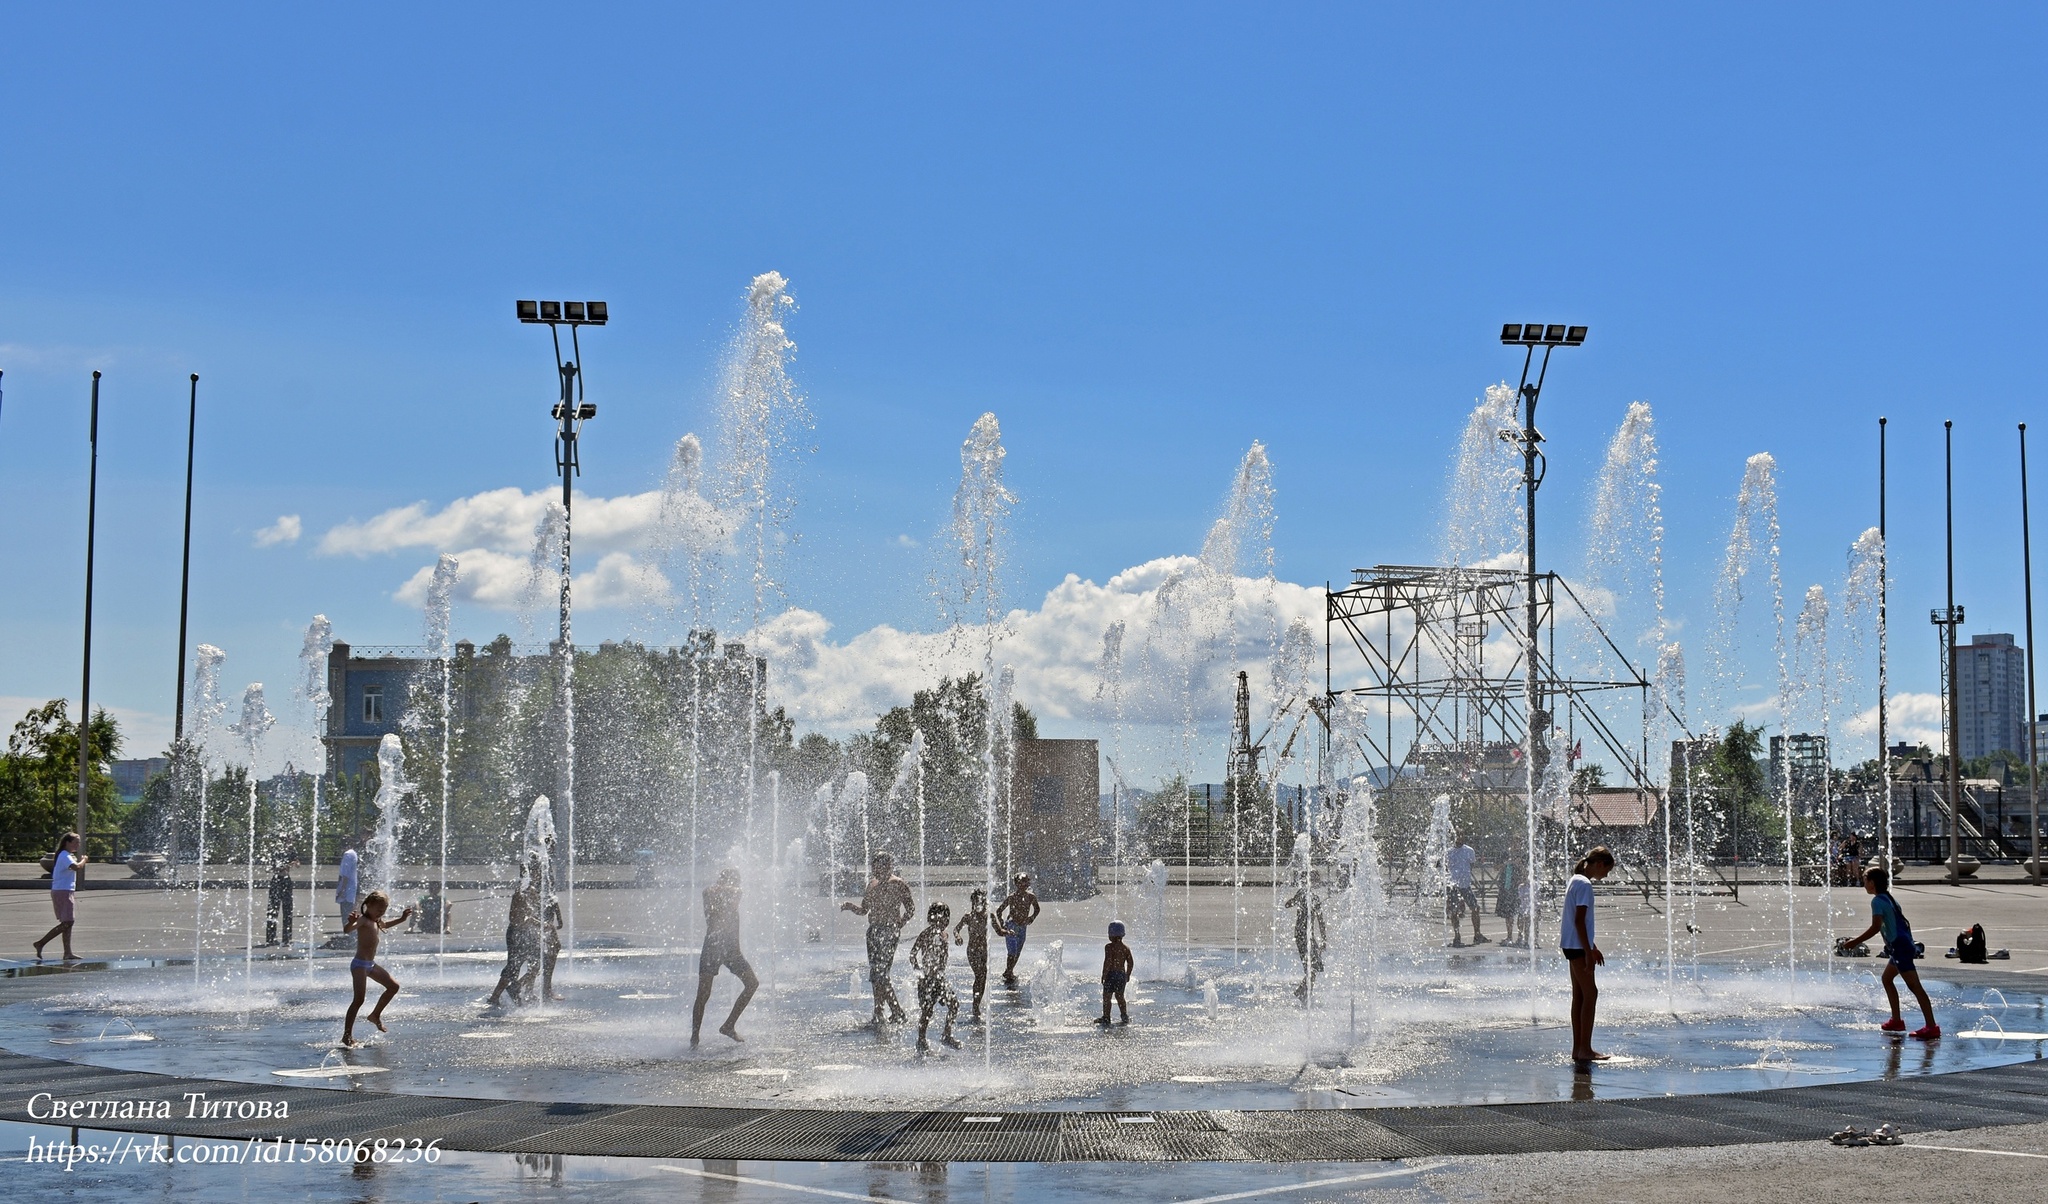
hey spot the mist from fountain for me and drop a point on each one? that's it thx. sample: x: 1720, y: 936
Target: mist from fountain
x: 1109, y: 671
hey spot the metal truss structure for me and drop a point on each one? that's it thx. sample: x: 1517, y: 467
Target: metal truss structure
x: 1445, y: 671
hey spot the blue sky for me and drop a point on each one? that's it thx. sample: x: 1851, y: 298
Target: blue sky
x: 1144, y: 238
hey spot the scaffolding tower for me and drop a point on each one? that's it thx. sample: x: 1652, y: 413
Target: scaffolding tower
x: 1444, y: 694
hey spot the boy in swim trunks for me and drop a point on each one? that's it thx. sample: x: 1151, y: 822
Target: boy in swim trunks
x: 928, y: 957
x: 722, y: 948
x: 888, y: 907
x: 369, y: 925
x: 1885, y: 916
x: 977, y: 923
x: 1013, y: 917
x: 1117, y: 966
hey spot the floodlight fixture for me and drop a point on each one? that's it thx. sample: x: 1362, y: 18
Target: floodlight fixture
x: 1532, y: 332
x: 1510, y: 332
x: 572, y: 311
x: 1574, y: 336
x: 600, y: 313
x: 551, y: 311
x: 1553, y: 334
x: 529, y: 311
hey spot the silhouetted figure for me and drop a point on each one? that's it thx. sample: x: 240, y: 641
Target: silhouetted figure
x: 888, y: 906
x: 722, y: 948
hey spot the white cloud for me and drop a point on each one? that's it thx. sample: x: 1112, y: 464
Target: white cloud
x: 286, y: 529
x: 904, y: 541
x: 1056, y: 650
x: 505, y: 582
x: 1909, y: 719
x: 503, y: 520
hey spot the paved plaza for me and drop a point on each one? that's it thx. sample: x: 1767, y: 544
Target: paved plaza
x: 1961, y: 1143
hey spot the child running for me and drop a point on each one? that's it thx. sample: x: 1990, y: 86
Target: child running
x: 1014, y: 916
x: 928, y: 954
x: 1117, y: 965
x: 369, y: 925
x: 1580, y: 953
x: 1885, y: 916
x: 977, y: 923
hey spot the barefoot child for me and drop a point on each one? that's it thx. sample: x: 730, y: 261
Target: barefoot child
x: 976, y: 923
x: 1580, y: 953
x: 888, y: 906
x: 1117, y: 965
x: 1014, y: 916
x: 1885, y: 916
x: 369, y: 925
x: 928, y: 956
x: 722, y: 949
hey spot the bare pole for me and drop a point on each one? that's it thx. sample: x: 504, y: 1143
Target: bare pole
x: 92, y: 493
x: 180, y: 772
x: 1955, y: 769
x: 1884, y: 584
x: 2033, y: 739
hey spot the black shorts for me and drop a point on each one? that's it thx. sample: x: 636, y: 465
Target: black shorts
x: 1572, y: 955
x: 722, y: 953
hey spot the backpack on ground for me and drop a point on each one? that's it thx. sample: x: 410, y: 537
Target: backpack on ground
x: 1971, y: 947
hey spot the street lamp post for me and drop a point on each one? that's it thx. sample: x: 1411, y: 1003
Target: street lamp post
x: 180, y: 770
x: 92, y: 500
x: 570, y: 412
x: 1549, y: 337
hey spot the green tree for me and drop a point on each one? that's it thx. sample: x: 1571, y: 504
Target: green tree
x: 39, y: 782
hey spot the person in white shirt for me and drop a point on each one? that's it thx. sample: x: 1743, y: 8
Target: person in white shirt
x: 63, y: 886
x: 1580, y: 953
x: 345, y: 882
x: 1459, y: 900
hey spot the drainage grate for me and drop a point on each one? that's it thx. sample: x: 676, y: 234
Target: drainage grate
x: 809, y: 1136
x: 625, y: 1141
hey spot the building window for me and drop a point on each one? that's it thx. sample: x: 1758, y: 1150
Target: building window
x: 373, y: 704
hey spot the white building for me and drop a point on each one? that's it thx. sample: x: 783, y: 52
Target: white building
x: 1991, y: 693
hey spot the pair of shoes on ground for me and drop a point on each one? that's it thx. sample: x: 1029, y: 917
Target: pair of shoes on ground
x: 1884, y: 1134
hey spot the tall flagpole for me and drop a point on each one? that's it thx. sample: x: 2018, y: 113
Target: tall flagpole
x: 2033, y: 740
x: 92, y: 497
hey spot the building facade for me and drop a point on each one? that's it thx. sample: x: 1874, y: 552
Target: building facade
x: 1991, y: 696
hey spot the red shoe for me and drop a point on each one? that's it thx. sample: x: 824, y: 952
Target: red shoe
x: 1894, y: 1025
x: 1927, y: 1033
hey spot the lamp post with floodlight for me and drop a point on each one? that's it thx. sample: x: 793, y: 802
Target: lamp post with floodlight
x: 570, y: 413
x: 1530, y: 336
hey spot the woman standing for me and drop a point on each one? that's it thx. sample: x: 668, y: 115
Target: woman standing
x: 1580, y: 953
x: 63, y: 886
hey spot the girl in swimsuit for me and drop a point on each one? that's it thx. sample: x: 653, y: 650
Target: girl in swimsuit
x: 369, y: 925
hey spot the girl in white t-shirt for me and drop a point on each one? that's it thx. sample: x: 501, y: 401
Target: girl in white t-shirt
x: 63, y: 888
x: 1580, y: 952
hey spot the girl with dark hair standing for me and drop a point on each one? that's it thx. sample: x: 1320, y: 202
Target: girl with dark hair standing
x: 1580, y: 953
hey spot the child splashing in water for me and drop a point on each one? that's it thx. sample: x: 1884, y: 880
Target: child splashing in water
x: 1117, y: 966
x: 928, y: 956
x: 1899, y: 950
x: 369, y: 925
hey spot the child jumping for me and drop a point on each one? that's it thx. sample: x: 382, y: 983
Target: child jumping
x: 976, y: 923
x: 1117, y: 966
x: 928, y: 956
x: 369, y: 925
x: 1885, y: 916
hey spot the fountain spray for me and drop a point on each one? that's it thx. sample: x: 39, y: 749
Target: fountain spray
x: 255, y: 723
x: 208, y: 711
x: 440, y: 591
x: 313, y: 654
x: 759, y: 409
